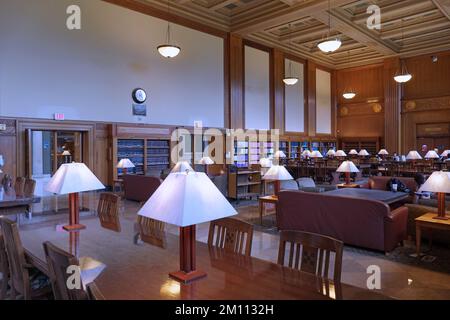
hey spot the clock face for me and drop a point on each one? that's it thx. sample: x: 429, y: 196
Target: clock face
x: 139, y: 95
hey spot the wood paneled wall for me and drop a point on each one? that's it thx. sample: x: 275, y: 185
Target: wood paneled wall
x: 362, y: 116
x: 8, y: 147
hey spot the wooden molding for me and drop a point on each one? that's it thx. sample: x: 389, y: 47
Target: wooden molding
x: 426, y: 104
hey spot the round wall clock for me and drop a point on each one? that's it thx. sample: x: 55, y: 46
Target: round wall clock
x: 139, y: 95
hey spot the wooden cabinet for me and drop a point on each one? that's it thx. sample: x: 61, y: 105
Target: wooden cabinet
x: 243, y: 183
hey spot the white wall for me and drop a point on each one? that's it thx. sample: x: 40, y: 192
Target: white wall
x: 89, y: 74
x: 323, y: 101
x: 294, y: 99
x: 257, y: 89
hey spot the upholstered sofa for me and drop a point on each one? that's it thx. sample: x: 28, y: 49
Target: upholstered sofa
x: 139, y: 188
x: 363, y: 223
x: 381, y: 183
x: 305, y: 184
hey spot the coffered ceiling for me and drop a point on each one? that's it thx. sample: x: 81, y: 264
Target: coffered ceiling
x: 408, y: 27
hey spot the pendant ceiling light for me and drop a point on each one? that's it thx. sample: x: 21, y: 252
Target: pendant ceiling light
x: 402, y: 75
x: 350, y: 93
x: 290, y: 80
x: 168, y: 50
x: 329, y: 45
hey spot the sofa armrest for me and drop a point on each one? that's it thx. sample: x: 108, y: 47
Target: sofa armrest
x: 395, y: 228
x: 398, y: 213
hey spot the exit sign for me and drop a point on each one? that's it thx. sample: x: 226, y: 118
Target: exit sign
x: 58, y: 116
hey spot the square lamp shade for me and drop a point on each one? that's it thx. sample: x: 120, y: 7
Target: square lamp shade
x: 316, y: 154
x: 125, y: 164
x: 445, y: 154
x: 72, y: 178
x: 277, y: 174
x: 438, y: 182
x: 431, y: 155
x: 182, y: 166
x: 331, y: 153
x: 383, y: 152
x: 363, y: 153
x: 413, y: 155
x: 185, y: 199
x: 206, y: 161
x: 340, y: 153
x: 265, y: 162
x: 353, y: 152
x: 306, y: 153
x: 279, y: 154
x: 347, y: 167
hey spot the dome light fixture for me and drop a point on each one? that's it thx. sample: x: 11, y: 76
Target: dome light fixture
x: 350, y: 93
x: 329, y: 45
x: 290, y: 80
x: 402, y: 75
x: 168, y: 50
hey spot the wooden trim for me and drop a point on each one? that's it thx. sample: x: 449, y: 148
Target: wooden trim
x: 162, y: 14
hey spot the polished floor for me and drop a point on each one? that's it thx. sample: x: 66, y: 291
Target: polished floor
x: 398, y: 280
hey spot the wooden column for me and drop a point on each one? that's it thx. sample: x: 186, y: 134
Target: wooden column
x: 236, y: 82
x: 392, y: 103
x: 310, y: 98
x: 278, y: 110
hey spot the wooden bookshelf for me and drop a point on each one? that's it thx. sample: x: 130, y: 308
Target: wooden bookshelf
x: 243, y: 183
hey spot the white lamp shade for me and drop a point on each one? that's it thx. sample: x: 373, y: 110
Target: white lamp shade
x: 383, y: 152
x: 340, y: 153
x: 431, y: 155
x: 279, y: 154
x: 168, y: 50
x: 206, y: 160
x: 185, y: 199
x: 363, y: 153
x: 66, y: 153
x: 73, y: 177
x: 413, y: 155
x: 331, y: 153
x: 316, y: 154
x: 182, y: 166
x: 347, y: 166
x: 290, y: 81
x: 353, y: 152
x: 306, y: 153
x: 125, y: 163
x: 439, y: 181
x: 402, y: 78
x: 445, y: 153
x: 277, y: 173
x: 329, y: 45
x: 349, y: 95
x: 265, y: 162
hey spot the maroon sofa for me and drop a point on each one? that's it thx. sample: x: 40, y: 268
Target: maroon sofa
x: 139, y: 188
x: 363, y: 223
x: 380, y: 183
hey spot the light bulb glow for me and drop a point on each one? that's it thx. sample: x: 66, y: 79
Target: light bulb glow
x: 402, y: 78
x: 349, y: 95
x: 329, y: 45
x: 168, y: 50
x: 290, y: 81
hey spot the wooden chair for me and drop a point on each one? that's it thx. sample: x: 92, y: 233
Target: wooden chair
x: 150, y: 231
x: 93, y: 292
x: 29, y: 187
x: 310, y: 252
x: 232, y: 234
x: 22, y: 274
x: 108, y: 211
x: 19, y: 186
x: 58, y: 261
x: 4, y: 269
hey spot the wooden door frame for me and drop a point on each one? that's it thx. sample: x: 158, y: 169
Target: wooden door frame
x: 50, y: 125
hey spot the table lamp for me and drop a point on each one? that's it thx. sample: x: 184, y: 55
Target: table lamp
x: 431, y: 155
x: 205, y: 161
x: 125, y: 164
x: 363, y: 153
x: 438, y: 182
x: 265, y: 162
x: 413, y: 156
x: 383, y: 153
x: 331, y: 153
x: 340, y: 154
x: 347, y: 167
x: 306, y: 153
x: 316, y: 154
x: 182, y: 166
x: 279, y: 154
x: 277, y: 173
x: 445, y: 154
x: 185, y: 199
x: 353, y: 152
x: 72, y: 178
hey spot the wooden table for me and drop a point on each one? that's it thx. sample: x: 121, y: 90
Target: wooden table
x: 262, y: 201
x: 427, y: 221
x: 141, y: 271
x: 11, y: 204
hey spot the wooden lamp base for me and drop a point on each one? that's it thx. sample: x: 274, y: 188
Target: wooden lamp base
x: 74, y: 214
x: 187, y: 272
x: 441, y: 207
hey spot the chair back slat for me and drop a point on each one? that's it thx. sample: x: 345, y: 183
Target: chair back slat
x: 108, y: 211
x: 151, y: 231
x: 231, y: 234
x: 19, y: 275
x: 312, y: 253
x: 19, y: 186
x: 58, y: 262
